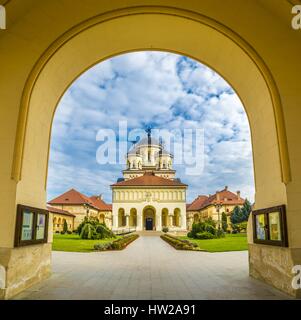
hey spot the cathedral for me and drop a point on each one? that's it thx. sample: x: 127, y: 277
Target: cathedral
x: 149, y: 196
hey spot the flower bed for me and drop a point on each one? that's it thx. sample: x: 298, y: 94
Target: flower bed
x: 118, y: 244
x: 179, y: 244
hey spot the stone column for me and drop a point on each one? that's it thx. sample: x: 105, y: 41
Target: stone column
x: 183, y: 222
x: 115, y: 221
x: 158, y: 222
x: 127, y: 219
x: 139, y: 221
x: 170, y: 220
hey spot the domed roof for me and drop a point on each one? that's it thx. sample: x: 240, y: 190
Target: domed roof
x: 134, y: 152
x: 144, y: 141
x: 166, y: 153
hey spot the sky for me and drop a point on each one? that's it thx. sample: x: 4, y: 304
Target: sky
x: 160, y: 90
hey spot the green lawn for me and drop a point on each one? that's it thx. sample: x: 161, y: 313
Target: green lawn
x: 73, y: 243
x: 231, y: 242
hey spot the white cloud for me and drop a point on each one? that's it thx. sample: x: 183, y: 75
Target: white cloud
x: 166, y: 90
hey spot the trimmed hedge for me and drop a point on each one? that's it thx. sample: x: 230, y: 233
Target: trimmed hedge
x: 204, y: 235
x: 118, y: 244
x: 179, y: 244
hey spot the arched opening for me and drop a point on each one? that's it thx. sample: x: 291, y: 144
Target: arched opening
x: 54, y: 222
x: 164, y: 217
x: 149, y: 218
x: 177, y: 218
x: 101, y: 218
x: 249, y: 76
x: 121, y: 218
x: 59, y: 224
x: 196, y: 218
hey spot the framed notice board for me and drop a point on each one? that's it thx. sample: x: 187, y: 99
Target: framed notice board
x: 270, y: 227
x: 31, y: 226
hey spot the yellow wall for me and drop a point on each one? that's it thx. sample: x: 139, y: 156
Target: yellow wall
x: 80, y: 213
x: 58, y: 222
x: 162, y: 199
x: 210, y: 212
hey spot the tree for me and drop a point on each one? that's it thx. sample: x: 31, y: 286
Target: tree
x: 237, y: 215
x: 65, y: 227
x: 88, y: 231
x: 224, y: 222
x: 91, y: 228
x: 246, y: 210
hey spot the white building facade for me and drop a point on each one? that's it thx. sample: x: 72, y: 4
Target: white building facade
x: 149, y: 197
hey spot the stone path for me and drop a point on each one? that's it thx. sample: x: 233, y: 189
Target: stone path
x: 150, y: 269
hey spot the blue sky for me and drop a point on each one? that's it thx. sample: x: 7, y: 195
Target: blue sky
x: 166, y: 91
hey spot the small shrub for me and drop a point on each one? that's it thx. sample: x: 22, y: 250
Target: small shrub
x: 205, y: 235
x: 179, y: 244
x: 63, y: 232
x: 121, y: 243
x: 220, y: 233
x: 190, y: 234
x: 242, y: 226
x: 165, y: 229
x: 65, y: 226
x: 207, y: 227
x: 118, y: 244
x: 104, y: 232
x: 102, y: 246
x: 91, y: 228
x: 88, y: 231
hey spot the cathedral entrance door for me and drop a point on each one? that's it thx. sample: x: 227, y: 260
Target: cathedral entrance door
x: 149, y: 224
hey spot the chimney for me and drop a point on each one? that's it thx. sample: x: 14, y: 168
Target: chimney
x: 226, y: 188
x: 100, y: 196
x: 217, y: 196
x: 238, y: 194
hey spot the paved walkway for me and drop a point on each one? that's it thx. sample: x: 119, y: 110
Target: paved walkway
x: 150, y: 269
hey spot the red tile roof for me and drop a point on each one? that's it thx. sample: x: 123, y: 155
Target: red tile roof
x: 60, y: 211
x: 149, y: 179
x: 74, y: 197
x: 100, y: 204
x: 223, y: 197
x: 197, y: 204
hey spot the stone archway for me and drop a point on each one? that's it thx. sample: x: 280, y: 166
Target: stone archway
x: 121, y: 218
x: 149, y: 218
x: 177, y: 218
x: 194, y: 30
x: 101, y: 218
x: 196, y: 218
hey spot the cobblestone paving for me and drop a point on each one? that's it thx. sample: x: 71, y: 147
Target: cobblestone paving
x: 150, y: 269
